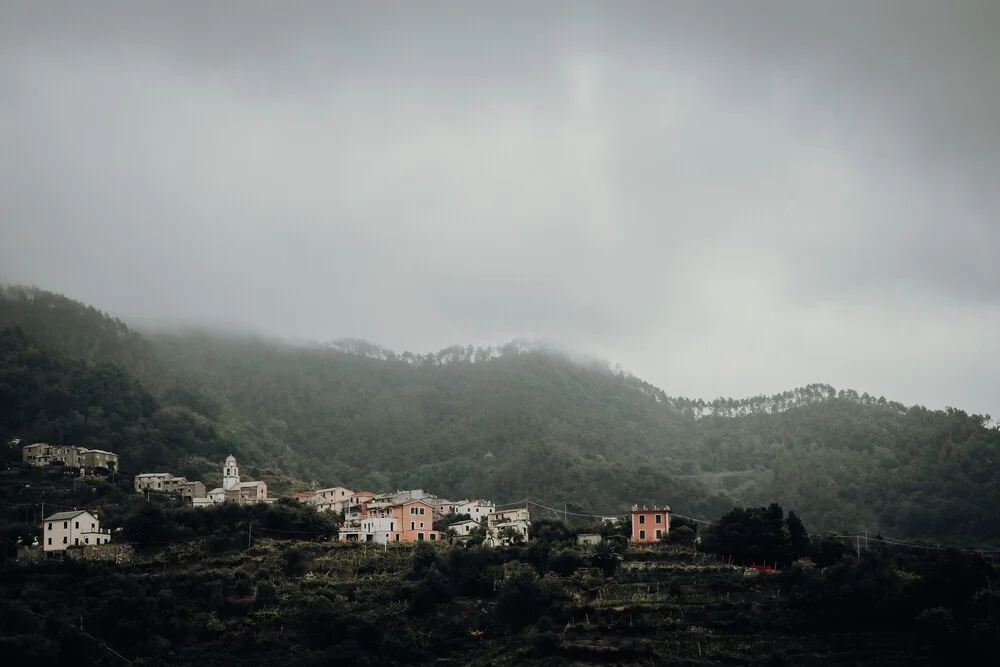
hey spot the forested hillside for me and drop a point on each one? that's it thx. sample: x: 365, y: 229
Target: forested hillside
x: 520, y: 421
x: 80, y: 331
x: 515, y: 422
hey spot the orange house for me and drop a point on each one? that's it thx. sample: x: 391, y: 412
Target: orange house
x: 410, y: 521
x: 650, y: 524
x: 416, y: 519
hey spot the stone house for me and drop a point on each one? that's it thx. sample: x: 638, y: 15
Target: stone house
x: 98, y: 458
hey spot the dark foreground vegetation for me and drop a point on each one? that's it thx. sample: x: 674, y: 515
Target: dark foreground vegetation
x: 291, y: 601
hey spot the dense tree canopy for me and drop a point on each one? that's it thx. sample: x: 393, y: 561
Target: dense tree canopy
x: 507, y: 423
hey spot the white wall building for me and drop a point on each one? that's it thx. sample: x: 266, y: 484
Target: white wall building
x: 476, y: 509
x: 502, y: 524
x: 464, y: 528
x: 72, y: 529
x: 379, y: 528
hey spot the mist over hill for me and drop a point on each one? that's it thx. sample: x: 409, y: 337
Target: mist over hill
x: 511, y: 422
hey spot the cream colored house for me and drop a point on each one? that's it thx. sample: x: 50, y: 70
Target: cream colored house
x: 464, y: 528
x: 334, y: 499
x: 72, y: 529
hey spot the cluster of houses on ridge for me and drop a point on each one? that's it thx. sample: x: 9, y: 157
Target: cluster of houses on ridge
x: 94, y: 461
x: 232, y: 489
x: 409, y: 516
x: 401, y: 516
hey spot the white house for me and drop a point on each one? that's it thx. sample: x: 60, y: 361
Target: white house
x: 506, y: 523
x: 476, y: 509
x: 380, y: 528
x: 464, y: 528
x: 72, y: 529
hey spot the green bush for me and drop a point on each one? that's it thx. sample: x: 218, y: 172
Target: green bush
x: 266, y: 593
x: 566, y: 562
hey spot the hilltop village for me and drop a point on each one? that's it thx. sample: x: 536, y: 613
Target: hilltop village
x: 363, y: 516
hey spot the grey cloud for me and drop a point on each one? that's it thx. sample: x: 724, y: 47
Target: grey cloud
x: 726, y: 200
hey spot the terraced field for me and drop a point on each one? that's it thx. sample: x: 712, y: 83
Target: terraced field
x: 313, y: 603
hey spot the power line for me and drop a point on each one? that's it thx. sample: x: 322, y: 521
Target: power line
x: 602, y: 516
x: 914, y: 545
x: 83, y: 632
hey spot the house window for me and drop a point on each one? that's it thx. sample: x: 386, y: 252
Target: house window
x: 421, y: 511
x: 642, y: 518
x: 77, y: 524
x: 642, y: 534
x: 397, y: 537
x: 50, y: 540
x: 420, y: 537
x: 421, y: 524
x: 413, y: 525
x: 91, y: 526
x: 50, y: 526
x: 659, y: 518
x: 76, y: 541
x: 65, y: 540
x: 86, y: 540
x: 65, y: 524
x: 433, y: 537
x: 658, y: 533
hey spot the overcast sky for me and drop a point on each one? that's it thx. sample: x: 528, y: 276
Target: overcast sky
x: 727, y: 198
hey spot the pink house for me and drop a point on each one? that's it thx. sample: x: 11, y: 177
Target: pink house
x: 650, y: 524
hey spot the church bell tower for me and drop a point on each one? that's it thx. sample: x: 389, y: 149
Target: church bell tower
x: 230, y: 473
